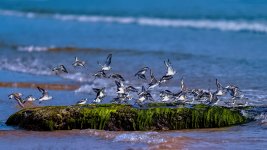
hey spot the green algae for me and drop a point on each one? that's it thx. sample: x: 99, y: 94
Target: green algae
x: 124, y: 117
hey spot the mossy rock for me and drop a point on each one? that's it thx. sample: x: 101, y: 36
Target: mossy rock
x: 118, y: 117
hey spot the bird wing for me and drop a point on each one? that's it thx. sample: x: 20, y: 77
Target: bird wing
x: 108, y: 60
x: 96, y: 90
x: 43, y: 91
x: 64, y: 68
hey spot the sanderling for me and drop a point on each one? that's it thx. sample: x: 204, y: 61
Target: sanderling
x: 78, y: 63
x: 144, y: 95
x: 106, y: 66
x: 220, y: 89
x: 166, y: 95
x: 45, y: 96
x: 100, y: 74
x: 30, y: 98
x: 153, y: 81
x: 100, y: 94
x: 17, y: 97
x: 82, y: 101
x: 59, y: 69
x: 165, y: 79
x: 170, y: 70
x: 117, y: 77
x: 141, y: 73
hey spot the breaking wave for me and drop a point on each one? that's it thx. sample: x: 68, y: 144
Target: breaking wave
x: 220, y: 24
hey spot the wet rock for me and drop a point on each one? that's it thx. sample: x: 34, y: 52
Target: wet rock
x: 117, y: 117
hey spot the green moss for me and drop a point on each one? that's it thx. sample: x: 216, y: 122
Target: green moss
x: 124, y: 117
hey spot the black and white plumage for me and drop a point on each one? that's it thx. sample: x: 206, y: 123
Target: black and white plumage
x: 141, y: 73
x: 144, y: 95
x: 106, y: 66
x: 153, y: 81
x: 234, y: 91
x: 29, y: 98
x: 78, y: 63
x: 82, y: 101
x: 131, y: 89
x: 45, y: 96
x: 166, y: 95
x: 164, y: 79
x: 100, y: 74
x: 120, y: 87
x: 100, y: 94
x: 17, y: 97
x: 170, y: 70
x: 220, y: 89
x: 60, y: 69
x: 117, y: 77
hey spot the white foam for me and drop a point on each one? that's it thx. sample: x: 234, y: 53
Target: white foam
x: 142, y: 137
x: 19, y: 65
x: 33, y: 48
x: 223, y: 25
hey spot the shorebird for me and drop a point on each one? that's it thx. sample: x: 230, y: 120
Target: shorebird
x: 29, y: 98
x: 144, y: 95
x: 181, y: 96
x: 170, y: 70
x: 131, y: 89
x: 78, y: 63
x: 122, y: 98
x: 106, y: 66
x: 82, y: 101
x: 17, y: 97
x: 166, y: 95
x: 100, y: 74
x: 45, y: 96
x: 117, y: 77
x: 100, y: 94
x: 234, y: 91
x: 220, y: 89
x: 153, y: 81
x: 141, y: 73
x: 164, y: 79
x: 59, y: 69
x: 123, y: 92
x: 120, y: 87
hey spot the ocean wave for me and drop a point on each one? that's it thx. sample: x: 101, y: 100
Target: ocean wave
x: 18, y: 65
x: 33, y: 48
x: 223, y: 25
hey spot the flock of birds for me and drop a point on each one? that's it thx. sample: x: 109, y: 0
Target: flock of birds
x: 124, y: 93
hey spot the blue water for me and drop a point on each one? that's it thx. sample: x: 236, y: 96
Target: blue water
x: 224, y: 39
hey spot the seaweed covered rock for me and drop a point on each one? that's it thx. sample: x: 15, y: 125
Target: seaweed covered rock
x: 124, y: 117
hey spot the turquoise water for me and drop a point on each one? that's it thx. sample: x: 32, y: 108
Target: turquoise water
x: 204, y: 40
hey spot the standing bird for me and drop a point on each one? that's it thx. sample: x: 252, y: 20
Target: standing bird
x: 141, y: 73
x: 45, y: 96
x: 78, y: 63
x: 100, y: 94
x: 60, y: 69
x: 106, y: 66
